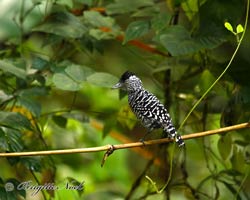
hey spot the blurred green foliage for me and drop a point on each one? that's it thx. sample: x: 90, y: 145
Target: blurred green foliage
x: 58, y: 62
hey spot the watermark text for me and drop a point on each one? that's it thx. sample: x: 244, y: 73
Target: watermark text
x: 35, y: 188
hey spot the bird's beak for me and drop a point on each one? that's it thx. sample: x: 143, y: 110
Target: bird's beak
x: 117, y: 85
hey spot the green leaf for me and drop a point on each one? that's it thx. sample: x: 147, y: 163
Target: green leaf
x: 27, y: 99
x: 231, y: 188
x: 136, y: 29
x: 64, y: 82
x: 77, y: 72
x: 229, y: 27
x: 9, y: 67
x: 68, y: 3
x: 63, y: 24
x: 239, y: 29
x: 225, y: 146
x: 177, y: 40
x: 34, y: 91
x: 97, y: 20
x: 125, y: 6
x: 60, y: 120
x: 14, y: 120
x: 190, y: 7
x: 71, y: 76
x: 3, y: 141
x: 14, y: 141
x: 31, y: 104
x: 102, y: 79
x: 86, y: 2
x: 146, y: 12
x: 10, y: 140
x: 209, y: 42
x: 160, y: 22
x: 39, y: 63
x: 101, y: 35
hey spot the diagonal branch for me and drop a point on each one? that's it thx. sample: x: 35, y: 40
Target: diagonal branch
x: 127, y: 145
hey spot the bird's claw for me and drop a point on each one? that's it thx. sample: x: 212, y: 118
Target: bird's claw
x: 142, y: 141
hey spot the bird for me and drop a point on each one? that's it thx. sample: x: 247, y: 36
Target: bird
x: 147, y: 107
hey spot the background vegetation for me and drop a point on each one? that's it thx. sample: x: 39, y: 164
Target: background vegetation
x: 59, y: 59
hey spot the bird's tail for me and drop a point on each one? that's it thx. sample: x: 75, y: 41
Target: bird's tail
x: 179, y: 140
x: 170, y: 130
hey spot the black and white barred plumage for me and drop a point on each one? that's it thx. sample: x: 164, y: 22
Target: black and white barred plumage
x: 147, y: 108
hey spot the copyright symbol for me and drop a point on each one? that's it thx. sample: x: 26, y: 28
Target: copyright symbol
x: 9, y: 187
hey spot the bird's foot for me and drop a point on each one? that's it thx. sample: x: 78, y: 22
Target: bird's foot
x: 142, y: 141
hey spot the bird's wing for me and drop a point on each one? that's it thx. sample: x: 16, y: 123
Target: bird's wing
x: 150, y: 110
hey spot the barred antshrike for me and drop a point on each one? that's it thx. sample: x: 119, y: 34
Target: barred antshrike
x: 147, y: 108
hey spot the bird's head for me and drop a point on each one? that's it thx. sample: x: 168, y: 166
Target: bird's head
x: 129, y: 82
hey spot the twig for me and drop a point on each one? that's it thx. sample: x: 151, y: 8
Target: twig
x: 107, y: 154
x: 126, y: 146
